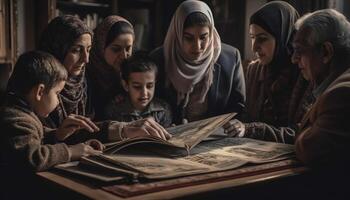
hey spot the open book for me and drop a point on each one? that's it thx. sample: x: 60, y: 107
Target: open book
x: 210, y: 156
x: 184, y: 137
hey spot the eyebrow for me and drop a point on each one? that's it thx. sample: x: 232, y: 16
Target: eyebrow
x: 204, y: 34
x: 259, y: 34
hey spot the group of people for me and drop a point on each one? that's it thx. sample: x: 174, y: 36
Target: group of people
x: 82, y: 88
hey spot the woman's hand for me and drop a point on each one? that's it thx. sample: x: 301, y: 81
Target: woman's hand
x: 234, y: 128
x: 95, y: 144
x: 147, y: 126
x: 73, y: 123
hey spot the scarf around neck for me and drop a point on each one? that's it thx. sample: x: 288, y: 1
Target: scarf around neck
x: 183, y: 74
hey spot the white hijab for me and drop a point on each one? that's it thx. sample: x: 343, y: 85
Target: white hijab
x: 183, y: 74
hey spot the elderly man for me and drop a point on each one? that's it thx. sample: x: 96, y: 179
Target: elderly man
x: 322, y: 52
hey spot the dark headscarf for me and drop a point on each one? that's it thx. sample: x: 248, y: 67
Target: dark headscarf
x: 103, y: 75
x: 278, y: 19
x: 104, y: 79
x: 60, y: 35
x: 57, y: 39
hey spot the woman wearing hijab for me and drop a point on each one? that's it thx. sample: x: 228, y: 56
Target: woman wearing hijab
x: 113, y: 43
x: 199, y: 76
x: 69, y: 40
x: 275, y: 94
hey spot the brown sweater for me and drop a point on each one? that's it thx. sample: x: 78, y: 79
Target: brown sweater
x: 22, y: 139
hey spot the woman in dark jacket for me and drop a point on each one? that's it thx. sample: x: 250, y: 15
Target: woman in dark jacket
x: 276, y: 97
x: 199, y: 76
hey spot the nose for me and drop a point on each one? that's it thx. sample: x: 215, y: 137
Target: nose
x: 124, y: 54
x: 144, y: 92
x: 85, y: 56
x: 295, y: 58
x: 254, y: 46
x: 197, y: 45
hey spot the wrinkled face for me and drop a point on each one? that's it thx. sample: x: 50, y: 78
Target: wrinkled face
x: 78, y: 55
x: 49, y: 100
x: 195, y: 42
x: 118, y: 50
x: 263, y: 44
x: 140, y: 87
x: 308, y: 58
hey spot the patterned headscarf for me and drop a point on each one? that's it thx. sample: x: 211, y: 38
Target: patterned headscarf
x: 57, y: 39
x: 100, y: 72
x: 184, y: 75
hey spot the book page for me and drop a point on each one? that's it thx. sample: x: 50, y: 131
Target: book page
x: 190, y: 134
x: 219, y: 155
x: 158, y: 167
x: 230, y: 153
x: 184, y: 136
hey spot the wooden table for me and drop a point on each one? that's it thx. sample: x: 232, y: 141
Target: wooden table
x: 233, y: 181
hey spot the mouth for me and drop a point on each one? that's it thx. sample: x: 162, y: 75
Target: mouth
x: 144, y: 100
x: 196, y: 54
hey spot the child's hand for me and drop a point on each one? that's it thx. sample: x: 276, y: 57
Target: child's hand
x: 79, y: 150
x: 73, y: 123
x: 147, y: 126
x: 95, y: 144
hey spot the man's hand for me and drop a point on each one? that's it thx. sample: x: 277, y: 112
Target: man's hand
x: 234, y: 128
x: 73, y: 123
x: 144, y: 127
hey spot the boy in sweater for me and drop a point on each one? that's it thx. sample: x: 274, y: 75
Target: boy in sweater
x: 32, y: 93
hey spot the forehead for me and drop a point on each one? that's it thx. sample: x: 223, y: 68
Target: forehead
x: 125, y: 38
x: 255, y: 29
x: 142, y: 76
x: 83, y: 40
x: 302, y: 37
x: 196, y: 29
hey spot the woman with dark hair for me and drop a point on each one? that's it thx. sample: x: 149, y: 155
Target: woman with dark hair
x: 276, y: 97
x: 69, y: 40
x: 113, y: 43
x: 199, y: 76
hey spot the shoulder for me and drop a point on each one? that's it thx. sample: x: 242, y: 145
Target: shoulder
x: 229, y: 52
x: 337, y: 94
x: 20, y: 119
x: 229, y: 57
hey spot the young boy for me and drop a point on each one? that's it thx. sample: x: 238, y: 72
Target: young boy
x: 138, y: 74
x: 32, y: 92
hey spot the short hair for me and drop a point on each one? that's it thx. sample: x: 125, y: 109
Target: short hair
x: 328, y: 25
x: 60, y: 35
x: 196, y: 18
x: 118, y: 28
x: 139, y: 62
x: 33, y: 68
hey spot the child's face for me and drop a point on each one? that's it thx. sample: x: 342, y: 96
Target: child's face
x: 48, y: 101
x: 140, y: 87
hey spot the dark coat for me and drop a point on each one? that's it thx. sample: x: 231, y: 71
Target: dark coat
x: 226, y: 94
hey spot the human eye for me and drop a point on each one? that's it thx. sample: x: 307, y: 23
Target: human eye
x: 150, y: 85
x: 204, y: 37
x: 137, y: 86
x: 116, y: 49
x: 76, y: 50
x: 188, y: 38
